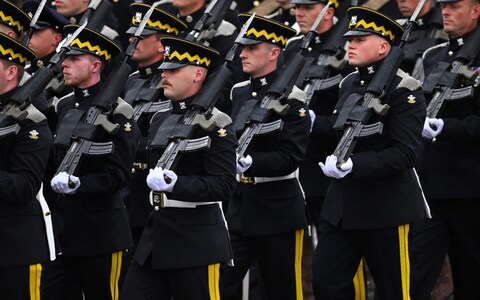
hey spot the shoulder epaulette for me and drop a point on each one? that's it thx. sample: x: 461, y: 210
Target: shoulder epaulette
x: 295, y: 38
x: 225, y: 29
x: 402, y: 21
x: 238, y: 85
x: 123, y: 108
x: 297, y: 94
x: 345, y: 78
x: 407, y: 81
x: 134, y: 73
x: 432, y: 48
x: 109, y: 32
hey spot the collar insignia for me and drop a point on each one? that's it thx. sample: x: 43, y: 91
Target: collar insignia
x: 182, y: 105
x: 33, y: 134
x: 85, y: 93
x: 263, y: 81
x: 370, y: 70
x: 460, y: 41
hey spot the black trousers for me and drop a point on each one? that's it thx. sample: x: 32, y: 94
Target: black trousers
x: 339, y: 253
x: 97, y: 276
x: 199, y: 283
x: 279, y: 260
x: 21, y: 283
x: 453, y: 229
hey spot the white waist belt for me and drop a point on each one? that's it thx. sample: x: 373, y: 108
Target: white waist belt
x: 158, y: 200
x: 265, y: 179
x: 47, y: 216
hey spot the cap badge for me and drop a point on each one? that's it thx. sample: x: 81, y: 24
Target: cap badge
x: 353, y: 21
x: 138, y: 17
x: 167, y: 51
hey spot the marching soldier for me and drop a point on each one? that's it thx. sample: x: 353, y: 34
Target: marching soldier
x: 23, y: 158
x: 142, y: 87
x: 267, y: 212
x: 375, y: 194
x: 449, y: 165
x: 93, y: 228
x: 429, y: 32
x: 185, y: 238
x: 285, y: 13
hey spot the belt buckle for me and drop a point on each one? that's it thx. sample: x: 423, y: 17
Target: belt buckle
x: 159, y: 199
x: 139, y: 166
x: 246, y: 179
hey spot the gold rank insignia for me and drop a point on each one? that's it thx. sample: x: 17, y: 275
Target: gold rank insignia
x: 33, y: 134
x: 301, y: 112
x: 222, y: 132
x: 128, y: 127
x: 411, y: 99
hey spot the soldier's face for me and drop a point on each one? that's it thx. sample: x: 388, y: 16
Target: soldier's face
x: 305, y: 15
x: 44, y: 41
x: 177, y: 83
x: 7, y: 73
x: 77, y: 70
x: 367, y: 49
x: 70, y: 8
x: 460, y: 17
x: 407, y: 7
x: 148, y: 51
x: 257, y: 59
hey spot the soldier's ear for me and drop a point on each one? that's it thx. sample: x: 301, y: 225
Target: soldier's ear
x: 476, y: 12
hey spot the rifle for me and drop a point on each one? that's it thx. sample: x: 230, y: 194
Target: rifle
x: 355, y: 119
x: 16, y: 109
x: 182, y: 127
x: 206, y: 27
x: 449, y: 86
x: 28, y: 36
x: 97, y: 114
x: 433, y: 35
x: 275, y: 98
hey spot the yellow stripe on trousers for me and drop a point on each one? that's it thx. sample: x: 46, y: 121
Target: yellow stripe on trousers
x: 115, y: 273
x: 213, y: 281
x: 298, y: 262
x: 35, y: 277
x: 359, y: 283
x: 404, y: 260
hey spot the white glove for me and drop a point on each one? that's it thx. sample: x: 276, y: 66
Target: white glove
x: 312, y: 118
x: 330, y: 167
x: 156, y: 180
x: 243, y: 163
x: 63, y: 183
x: 432, y: 127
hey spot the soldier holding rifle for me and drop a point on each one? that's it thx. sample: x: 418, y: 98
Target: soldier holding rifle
x: 449, y: 167
x: 374, y: 194
x: 93, y: 229
x: 185, y: 238
x: 266, y: 216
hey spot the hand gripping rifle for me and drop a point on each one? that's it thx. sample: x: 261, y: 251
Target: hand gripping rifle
x: 16, y: 109
x: 206, y: 27
x: 255, y: 116
x: 317, y: 77
x: 459, y: 82
x: 177, y: 131
x: 97, y: 115
x: 353, y: 117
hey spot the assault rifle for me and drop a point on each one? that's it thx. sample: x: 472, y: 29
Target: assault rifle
x: 433, y: 36
x: 16, y: 109
x: 458, y: 83
x: 177, y: 131
x: 331, y: 58
x: 97, y: 115
x: 206, y: 27
x: 255, y: 116
x: 353, y: 117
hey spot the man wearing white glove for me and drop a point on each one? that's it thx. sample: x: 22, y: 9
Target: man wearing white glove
x: 432, y: 128
x: 161, y: 180
x: 63, y: 183
x: 330, y: 168
x: 243, y: 163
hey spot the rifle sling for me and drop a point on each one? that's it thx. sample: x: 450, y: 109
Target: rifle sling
x: 67, y: 127
x: 439, y: 76
x: 244, y: 114
x: 346, y: 110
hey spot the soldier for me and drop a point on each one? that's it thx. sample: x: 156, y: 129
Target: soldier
x: 13, y: 21
x: 23, y: 158
x: 142, y: 87
x: 285, y: 13
x: 185, y: 238
x: 93, y: 229
x: 375, y: 194
x: 429, y: 32
x: 267, y: 212
x: 449, y: 166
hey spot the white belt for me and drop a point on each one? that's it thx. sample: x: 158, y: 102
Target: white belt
x: 255, y: 180
x: 159, y: 200
x: 47, y: 216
